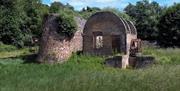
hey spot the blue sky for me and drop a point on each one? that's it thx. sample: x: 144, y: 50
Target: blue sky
x: 120, y: 4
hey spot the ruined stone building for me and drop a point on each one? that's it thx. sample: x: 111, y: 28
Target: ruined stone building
x: 105, y: 33
x: 55, y: 48
x: 102, y: 34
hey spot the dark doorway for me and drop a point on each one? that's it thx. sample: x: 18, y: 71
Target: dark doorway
x: 116, y: 43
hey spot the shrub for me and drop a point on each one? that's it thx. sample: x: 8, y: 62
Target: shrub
x: 67, y: 24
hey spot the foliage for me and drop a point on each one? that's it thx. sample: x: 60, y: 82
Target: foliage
x: 67, y: 24
x: 85, y: 73
x: 169, y: 27
x: 14, y: 52
x: 20, y: 21
x: 66, y: 20
x: 146, y: 16
x: 10, y: 20
x: 164, y: 56
x: 56, y: 7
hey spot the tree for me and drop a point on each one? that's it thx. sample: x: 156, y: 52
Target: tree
x: 146, y: 16
x: 11, y: 17
x: 169, y: 27
x: 20, y: 20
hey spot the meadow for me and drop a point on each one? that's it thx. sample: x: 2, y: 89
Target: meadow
x: 87, y: 73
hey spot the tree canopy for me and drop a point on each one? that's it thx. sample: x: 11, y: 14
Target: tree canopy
x: 146, y: 16
x: 169, y: 27
x: 21, y: 20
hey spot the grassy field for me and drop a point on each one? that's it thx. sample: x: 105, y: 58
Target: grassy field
x: 87, y: 73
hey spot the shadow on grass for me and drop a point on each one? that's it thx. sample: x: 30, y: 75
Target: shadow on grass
x: 30, y: 59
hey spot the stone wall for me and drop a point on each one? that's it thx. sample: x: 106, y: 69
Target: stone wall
x: 55, y: 48
x: 129, y: 37
x: 109, y: 25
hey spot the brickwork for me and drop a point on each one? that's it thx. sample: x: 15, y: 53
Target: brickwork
x: 116, y: 33
x: 109, y: 25
x: 55, y: 48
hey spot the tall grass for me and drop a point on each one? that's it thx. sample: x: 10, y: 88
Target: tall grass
x: 5, y: 48
x: 85, y: 73
x: 18, y: 52
x: 164, y: 56
x: 88, y: 73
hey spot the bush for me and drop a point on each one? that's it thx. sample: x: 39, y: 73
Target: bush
x: 67, y: 24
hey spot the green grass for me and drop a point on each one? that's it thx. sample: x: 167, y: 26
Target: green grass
x: 18, y: 52
x: 5, y: 48
x: 87, y: 73
x: 164, y: 56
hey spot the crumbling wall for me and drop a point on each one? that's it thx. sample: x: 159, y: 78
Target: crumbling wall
x: 109, y: 25
x: 129, y: 37
x: 55, y: 48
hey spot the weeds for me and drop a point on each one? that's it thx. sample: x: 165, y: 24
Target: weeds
x: 87, y: 73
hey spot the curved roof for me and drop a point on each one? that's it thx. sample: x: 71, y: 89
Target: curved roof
x: 132, y: 27
x: 102, y: 17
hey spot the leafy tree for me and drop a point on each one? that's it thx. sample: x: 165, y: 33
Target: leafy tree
x: 34, y: 12
x: 20, y: 20
x: 146, y: 16
x: 169, y: 27
x: 11, y: 17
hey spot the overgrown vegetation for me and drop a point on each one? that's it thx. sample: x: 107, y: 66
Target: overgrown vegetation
x: 20, y: 24
x: 67, y: 24
x: 169, y: 27
x: 164, y: 56
x: 88, y: 73
x: 9, y: 51
x: 21, y: 20
x: 146, y: 16
x: 156, y: 23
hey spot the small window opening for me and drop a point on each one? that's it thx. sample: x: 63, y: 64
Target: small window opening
x: 98, y: 40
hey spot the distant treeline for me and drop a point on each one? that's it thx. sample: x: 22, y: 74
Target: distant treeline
x: 21, y: 20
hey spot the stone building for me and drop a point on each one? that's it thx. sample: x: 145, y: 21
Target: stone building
x: 106, y: 33
x: 55, y: 48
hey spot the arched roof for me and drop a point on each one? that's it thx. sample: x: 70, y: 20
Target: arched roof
x: 123, y: 25
x: 104, y: 17
x: 132, y: 27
